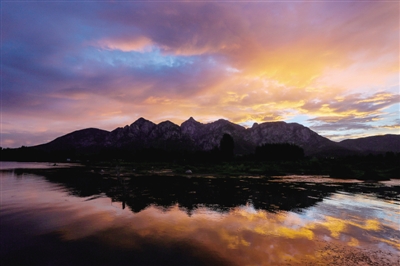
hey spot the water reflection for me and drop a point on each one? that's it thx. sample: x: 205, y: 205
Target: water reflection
x: 197, y: 221
x: 5, y: 165
x: 219, y: 194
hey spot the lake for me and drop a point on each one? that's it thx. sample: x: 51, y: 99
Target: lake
x: 63, y: 215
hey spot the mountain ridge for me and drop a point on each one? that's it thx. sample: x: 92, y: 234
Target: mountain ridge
x: 193, y: 135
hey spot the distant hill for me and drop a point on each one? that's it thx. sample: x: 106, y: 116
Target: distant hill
x: 90, y: 139
x: 373, y: 144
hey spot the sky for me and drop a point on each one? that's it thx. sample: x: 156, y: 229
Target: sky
x: 332, y: 66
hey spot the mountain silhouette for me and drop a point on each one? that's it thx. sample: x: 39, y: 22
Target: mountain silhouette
x: 192, y: 135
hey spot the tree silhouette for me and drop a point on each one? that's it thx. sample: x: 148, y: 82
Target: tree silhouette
x: 279, y: 152
x: 226, y: 147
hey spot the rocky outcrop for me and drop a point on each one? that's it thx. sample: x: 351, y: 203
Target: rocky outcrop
x: 208, y: 136
x: 281, y: 132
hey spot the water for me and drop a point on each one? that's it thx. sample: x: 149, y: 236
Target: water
x: 72, y: 217
x: 33, y: 165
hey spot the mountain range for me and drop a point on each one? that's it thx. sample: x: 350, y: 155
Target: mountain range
x: 193, y: 135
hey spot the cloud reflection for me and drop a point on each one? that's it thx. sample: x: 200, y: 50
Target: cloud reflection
x: 242, y: 236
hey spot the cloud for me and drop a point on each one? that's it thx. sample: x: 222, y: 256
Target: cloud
x: 351, y: 113
x: 338, y: 123
x: 139, y: 44
x: 340, y: 126
x: 393, y: 126
x: 247, y: 62
x: 352, y: 105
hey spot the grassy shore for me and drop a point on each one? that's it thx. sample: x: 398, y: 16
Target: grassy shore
x: 335, y: 168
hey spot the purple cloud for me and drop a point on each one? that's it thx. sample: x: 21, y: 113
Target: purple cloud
x: 75, y: 63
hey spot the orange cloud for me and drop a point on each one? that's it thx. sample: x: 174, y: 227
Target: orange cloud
x: 246, y: 62
x: 139, y: 44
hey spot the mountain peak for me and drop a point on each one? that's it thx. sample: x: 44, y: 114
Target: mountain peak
x: 191, y: 126
x: 167, y: 123
x: 226, y: 125
x: 142, y: 125
x: 141, y: 121
x: 189, y: 122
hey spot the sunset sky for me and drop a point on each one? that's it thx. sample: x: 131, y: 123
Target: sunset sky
x: 332, y: 66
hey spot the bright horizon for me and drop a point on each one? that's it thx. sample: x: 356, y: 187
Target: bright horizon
x: 330, y: 66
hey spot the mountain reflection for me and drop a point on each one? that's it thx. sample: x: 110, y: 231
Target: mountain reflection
x: 219, y: 194
x: 80, y: 220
